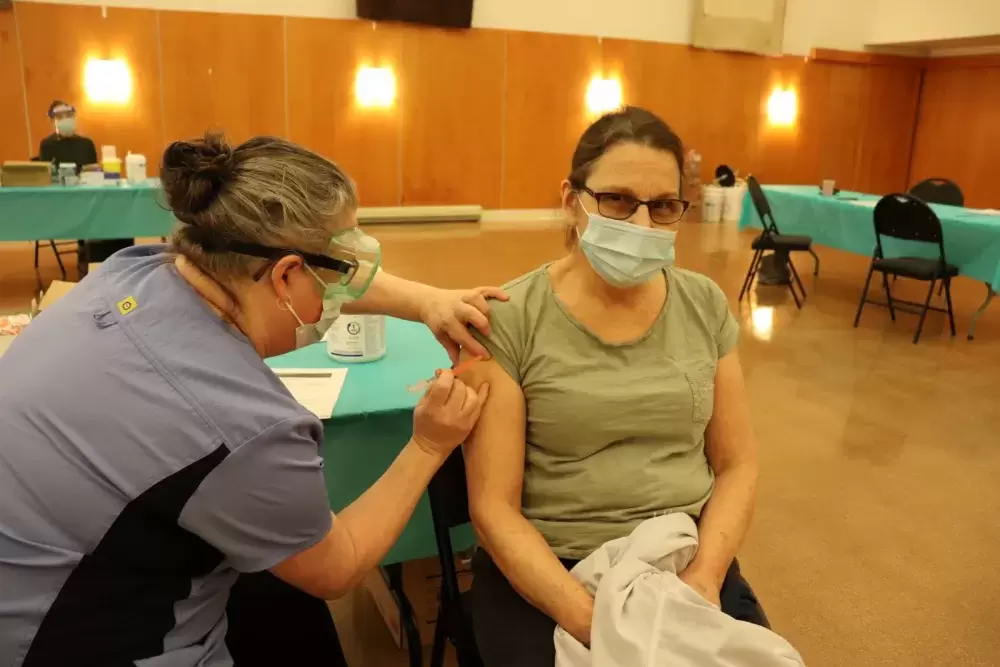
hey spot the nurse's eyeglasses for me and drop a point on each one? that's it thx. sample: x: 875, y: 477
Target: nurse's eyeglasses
x: 346, y: 268
x: 619, y: 206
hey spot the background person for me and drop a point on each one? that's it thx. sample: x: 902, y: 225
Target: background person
x: 616, y: 395
x: 148, y: 456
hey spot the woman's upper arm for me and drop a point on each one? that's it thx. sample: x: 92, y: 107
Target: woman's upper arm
x: 729, y: 436
x: 494, y: 451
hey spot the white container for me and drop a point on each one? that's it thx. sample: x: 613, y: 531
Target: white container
x: 135, y: 168
x: 712, y: 199
x: 356, y: 338
x: 92, y: 177
x: 67, y: 173
x: 829, y: 187
x: 108, y: 152
x: 732, y: 206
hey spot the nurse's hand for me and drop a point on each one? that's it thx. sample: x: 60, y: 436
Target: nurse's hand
x: 446, y: 414
x: 450, y: 313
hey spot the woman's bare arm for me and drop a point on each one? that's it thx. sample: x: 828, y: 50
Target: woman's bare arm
x: 732, y: 453
x: 494, y: 460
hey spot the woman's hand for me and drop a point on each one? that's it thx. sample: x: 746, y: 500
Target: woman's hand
x: 703, y: 584
x: 446, y: 414
x: 449, y: 313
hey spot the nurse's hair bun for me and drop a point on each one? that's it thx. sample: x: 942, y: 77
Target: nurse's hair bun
x: 195, y: 172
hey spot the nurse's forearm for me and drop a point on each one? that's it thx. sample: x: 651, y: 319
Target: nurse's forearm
x: 394, y: 296
x: 375, y: 521
x: 724, y: 521
x: 363, y: 533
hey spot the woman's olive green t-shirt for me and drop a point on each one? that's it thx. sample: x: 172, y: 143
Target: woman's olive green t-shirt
x: 615, y: 433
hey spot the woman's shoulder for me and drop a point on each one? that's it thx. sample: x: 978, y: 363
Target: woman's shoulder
x: 697, y: 287
x: 524, y: 294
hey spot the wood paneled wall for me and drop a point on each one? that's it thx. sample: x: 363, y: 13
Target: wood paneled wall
x: 958, y: 130
x: 482, y: 116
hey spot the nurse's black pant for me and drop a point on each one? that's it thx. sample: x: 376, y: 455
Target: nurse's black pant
x: 272, y: 623
x: 510, y: 632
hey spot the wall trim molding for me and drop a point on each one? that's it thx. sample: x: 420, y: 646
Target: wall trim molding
x: 866, y: 58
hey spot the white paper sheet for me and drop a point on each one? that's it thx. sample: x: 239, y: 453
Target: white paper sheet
x: 868, y: 203
x: 317, y: 389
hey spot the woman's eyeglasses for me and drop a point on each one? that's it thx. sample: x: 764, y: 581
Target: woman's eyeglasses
x: 618, y: 206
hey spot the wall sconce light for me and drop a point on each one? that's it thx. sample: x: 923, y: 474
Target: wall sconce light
x: 603, y: 95
x: 375, y: 87
x: 782, y: 107
x: 107, y: 81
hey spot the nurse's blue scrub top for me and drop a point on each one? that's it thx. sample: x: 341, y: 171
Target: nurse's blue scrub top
x: 147, y: 455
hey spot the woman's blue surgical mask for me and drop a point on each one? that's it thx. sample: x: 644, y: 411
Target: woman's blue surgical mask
x: 625, y: 255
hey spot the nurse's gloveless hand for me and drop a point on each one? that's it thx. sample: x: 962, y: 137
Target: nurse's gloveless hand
x: 446, y: 414
x: 450, y: 313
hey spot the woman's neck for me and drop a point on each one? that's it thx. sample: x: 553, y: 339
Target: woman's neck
x: 575, y: 274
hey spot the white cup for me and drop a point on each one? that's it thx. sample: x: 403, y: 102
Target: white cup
x: 829, y: 185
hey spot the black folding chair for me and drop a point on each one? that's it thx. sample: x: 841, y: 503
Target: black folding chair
x: 905, y: 217
x: 939, y: 191
x: 782, y: 245
x: 449, y: 509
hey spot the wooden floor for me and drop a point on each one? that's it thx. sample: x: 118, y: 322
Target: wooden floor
x: 876, y: 539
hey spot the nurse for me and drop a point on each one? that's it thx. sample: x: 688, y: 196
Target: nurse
x: 148, y: 456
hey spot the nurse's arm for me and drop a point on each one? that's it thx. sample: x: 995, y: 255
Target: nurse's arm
x: 732, y: 453
x: 447, y: 313
x: 364, y: 531
x: 494, y: 460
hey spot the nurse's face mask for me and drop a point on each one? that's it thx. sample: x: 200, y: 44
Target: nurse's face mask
x: 344, y: 273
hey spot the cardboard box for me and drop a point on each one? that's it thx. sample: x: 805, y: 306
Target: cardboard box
x: 23, y: 174
x: 57, y: 290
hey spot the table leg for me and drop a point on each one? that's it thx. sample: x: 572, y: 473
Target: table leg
x: 413, y: 645
x: 982, y: 309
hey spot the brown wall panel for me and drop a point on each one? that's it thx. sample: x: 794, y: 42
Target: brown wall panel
x: 452, y: 100
x: 323, y: 59
x: 224, y: 71
x: 57, y: 40
x: 14, y: 135
x: 546, y: 111
x: 886, y: 136
x: 958, y: 131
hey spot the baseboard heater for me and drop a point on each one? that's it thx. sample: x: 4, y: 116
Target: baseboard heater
x: 418, y: 214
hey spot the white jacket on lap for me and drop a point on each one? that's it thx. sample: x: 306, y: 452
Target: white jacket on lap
x: 644, y: 616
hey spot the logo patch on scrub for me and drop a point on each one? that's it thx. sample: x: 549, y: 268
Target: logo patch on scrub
x: 127, y: 305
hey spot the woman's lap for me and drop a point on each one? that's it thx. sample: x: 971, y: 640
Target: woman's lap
x: 510, y: 632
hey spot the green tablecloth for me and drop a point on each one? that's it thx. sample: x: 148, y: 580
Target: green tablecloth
x: 971, y: 239
x: 83, y: 212
x: 372, y: 421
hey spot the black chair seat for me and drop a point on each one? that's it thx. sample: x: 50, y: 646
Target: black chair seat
x: 783, y: 241
x: 915, y: 267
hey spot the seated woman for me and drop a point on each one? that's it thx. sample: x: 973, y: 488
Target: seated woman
x: 616, y: 394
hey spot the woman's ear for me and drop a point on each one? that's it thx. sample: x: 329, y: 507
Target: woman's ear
x: 569, y: 199
x: 280, y: 274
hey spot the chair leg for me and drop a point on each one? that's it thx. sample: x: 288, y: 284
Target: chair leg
x: 941, y: 288
x: 440, y: 639
x: 815, y: 257
x: 864, y: 296
x: 888, y: 296
x: 55, y: 251
x: 751, y: 272
x: 951, y: 313
x: 38, y: 274
x: 923, y: 314
x: 795, y: 274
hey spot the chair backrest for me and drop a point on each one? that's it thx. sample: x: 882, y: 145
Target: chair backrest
x: 762, y: 206
x: 449, y: 497
x: 939, y: 191
x: 903, y: 216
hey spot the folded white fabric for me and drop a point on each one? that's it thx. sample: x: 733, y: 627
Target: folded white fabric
x: 644, y: 616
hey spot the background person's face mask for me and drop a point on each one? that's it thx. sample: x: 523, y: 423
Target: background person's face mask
x: 625, y: 255
x: 66, y: 126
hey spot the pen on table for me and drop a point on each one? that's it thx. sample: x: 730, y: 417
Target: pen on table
x: 457, y: 370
